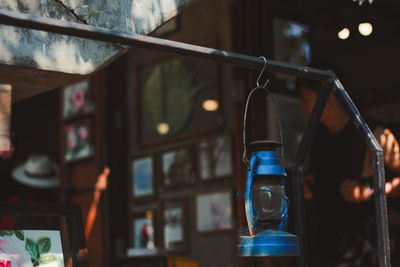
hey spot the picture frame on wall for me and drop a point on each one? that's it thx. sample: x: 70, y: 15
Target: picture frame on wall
x: 178, y: 168
x: 175, y: 237
x: 142, y: 179
x: 170, y: 92
x: 144, y: 232
x: 214, y: 211
x: 215, y: 158
x: 77, y: 100
x: 78, y: 140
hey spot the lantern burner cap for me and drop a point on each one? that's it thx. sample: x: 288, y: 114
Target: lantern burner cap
x: 265, y: 145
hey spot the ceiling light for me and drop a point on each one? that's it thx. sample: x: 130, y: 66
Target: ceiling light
x: 365, y: 28
x: 163, y: 128
x: 344, y: 34
x: 210, y: 105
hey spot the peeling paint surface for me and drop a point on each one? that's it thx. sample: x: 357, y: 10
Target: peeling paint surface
x: 51, y: 52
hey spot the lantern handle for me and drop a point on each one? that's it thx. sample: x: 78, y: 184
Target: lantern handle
x: 262, y: 87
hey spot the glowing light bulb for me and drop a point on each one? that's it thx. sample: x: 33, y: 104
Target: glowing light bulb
x: 344, y: 34
x: 210, y: 105
x: 163, y: 128
x: 365, y: 28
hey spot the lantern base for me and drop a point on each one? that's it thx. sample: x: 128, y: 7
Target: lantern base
x: 268, y: 243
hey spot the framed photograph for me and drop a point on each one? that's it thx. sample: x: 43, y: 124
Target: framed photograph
x: 175, y: 98
x: 292, y: 44
x: 142, y: 186
x: 143, y: 227
x: 175, y: 220
x: 215, y: 159
x: 214, y: 211
x: 77, y: 100
x: 178, y: 167
x: 77, y: 142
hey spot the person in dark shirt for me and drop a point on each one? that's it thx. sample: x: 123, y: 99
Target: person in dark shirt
x: 338, y: 185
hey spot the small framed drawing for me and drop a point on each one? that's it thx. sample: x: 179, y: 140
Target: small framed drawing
x: 77, y: 100
x: 143, y: 235
x: 178, y: 167
x: 214, y: 211
x: 175, y: 230
x: 215, y: 157
x: 142, y: 185
x: 77, y: 140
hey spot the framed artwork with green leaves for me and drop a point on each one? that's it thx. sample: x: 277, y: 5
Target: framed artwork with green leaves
x: 41, y: 234
x: 176, y: 97
x: 30, y: 248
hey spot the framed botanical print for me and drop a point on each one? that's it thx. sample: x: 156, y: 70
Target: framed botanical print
x: 214, y: 211
x: 178, y: 168
x: 77, y: 100
x: 77, y: 140
x: 174, y: 226
x: 143, y: 234
x: 31, y: 248
x: 142, y: 186
x: 171, y: 94
x: 214, y: 156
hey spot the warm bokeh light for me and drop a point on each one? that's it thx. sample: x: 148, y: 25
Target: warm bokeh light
x: 163, y: 128
x: 365, y: 28
x: 344, y: 34
x: 210, y: 105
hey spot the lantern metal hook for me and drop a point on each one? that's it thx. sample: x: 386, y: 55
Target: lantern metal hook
x: 263, y: 87
x: 261, y: 73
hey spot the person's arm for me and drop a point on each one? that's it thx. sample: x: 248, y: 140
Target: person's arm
x: 354, y: 191
x: 100, y: 186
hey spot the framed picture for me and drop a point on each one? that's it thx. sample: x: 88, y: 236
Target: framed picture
x: 77, y: 142
x: 175, y: 220
x: 77, y: 100
x: 178, y: 167
x: 43, y: 234
x: 215, y: 157
x: 175, y: 98
x: 214, y: 211
x: 144, y: 231
x: 143, y: 178
x: 31, y: 248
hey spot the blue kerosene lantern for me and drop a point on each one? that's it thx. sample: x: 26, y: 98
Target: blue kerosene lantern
x: 266, y: 202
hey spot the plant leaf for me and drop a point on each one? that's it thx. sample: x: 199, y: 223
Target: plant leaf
x: 81, y: 6
x: 20, y: 234
x: 93, y: 13
x: 44, y: 245
x: 32, y: 249
x: 8, y: 232
x: 47, y: 258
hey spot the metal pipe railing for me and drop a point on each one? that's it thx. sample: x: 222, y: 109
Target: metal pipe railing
x: 328, y: 78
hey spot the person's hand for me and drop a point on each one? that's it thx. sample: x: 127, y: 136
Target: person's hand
x: 101, y: 183
x: 390, y: 146
x: 353, y: 191
x: 307, y: 190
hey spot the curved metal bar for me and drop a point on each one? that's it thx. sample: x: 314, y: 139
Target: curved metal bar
x: 379, y: 171
x: 378, y: 166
